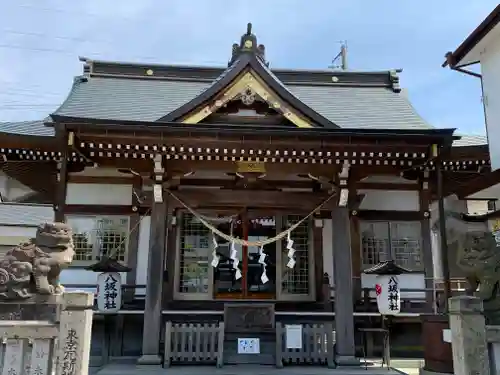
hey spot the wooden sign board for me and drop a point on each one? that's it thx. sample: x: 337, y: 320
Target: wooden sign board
x: 250, y: 167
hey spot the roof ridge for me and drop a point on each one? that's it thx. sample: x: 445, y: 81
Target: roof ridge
x: 223, y: 67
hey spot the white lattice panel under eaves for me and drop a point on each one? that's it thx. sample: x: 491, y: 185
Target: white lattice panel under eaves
x: 399, y: 241
x: 296, y: 280
x: 194, y: 255
x: 97, y: 236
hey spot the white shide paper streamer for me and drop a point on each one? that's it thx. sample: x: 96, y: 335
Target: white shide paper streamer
x: 215, y: 257
x: 262, y: 261
x: 291, y: 251
x: 236, y: 261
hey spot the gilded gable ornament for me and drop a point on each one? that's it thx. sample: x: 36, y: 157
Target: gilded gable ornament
x: 248, y: 97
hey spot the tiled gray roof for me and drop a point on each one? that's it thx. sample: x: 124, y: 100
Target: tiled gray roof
x: 25, y: 214
x: 128, y: 99
x: 27, y: 128
x: 149, y: 100
x: 470, y: 140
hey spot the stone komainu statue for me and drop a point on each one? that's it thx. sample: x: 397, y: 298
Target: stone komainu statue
x: 33, y: 268
x: 477, y: 255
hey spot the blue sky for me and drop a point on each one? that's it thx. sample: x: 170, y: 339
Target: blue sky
x: 41, y: 40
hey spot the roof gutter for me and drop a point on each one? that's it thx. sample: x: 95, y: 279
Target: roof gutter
x: 450, y: 61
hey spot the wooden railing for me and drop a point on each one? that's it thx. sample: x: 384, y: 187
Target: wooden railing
x: 413, y: 300
x: 317, y: 346
x: 194, y: 343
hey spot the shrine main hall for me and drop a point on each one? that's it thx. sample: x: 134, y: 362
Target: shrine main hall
x: 200, y: 181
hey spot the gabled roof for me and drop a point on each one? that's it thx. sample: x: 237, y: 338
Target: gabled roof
x: 152, y: 92
x: 454, y: 59
x: 248, y: 62
x: 356, y: 100
x: 25, y: 214
x: 36, y: 128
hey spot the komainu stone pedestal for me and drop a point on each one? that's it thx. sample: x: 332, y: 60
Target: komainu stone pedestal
x: 36, y: 308
x: 468, y: 336
x: 75, y: 333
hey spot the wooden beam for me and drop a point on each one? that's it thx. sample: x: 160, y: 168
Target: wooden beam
x: 302, y: 202
x: 385, y: 186
x: 62, y: 176
x: 389, y: 215
x: 90, y: 209
x: 108, y: 180
x: 256, y: 140
x: 425, y: 234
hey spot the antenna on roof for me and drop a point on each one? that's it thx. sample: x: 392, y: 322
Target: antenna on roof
x: 342, y: 55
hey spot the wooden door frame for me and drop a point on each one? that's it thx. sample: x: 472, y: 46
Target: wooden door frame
x: 210, y: 295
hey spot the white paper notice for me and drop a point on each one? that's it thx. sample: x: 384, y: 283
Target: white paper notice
x: 293, y: 336
x: 248, y: 346
x: 291, y: 263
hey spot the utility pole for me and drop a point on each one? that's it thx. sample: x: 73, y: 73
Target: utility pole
x: 342, y: 55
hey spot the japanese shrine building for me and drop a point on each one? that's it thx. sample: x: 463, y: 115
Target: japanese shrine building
x: 138, y: 153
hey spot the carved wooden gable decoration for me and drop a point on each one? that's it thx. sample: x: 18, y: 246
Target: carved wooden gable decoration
x: 249, y: 89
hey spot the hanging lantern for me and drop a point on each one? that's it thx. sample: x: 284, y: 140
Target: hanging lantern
x: 387, y: 286
x: 109, y: 284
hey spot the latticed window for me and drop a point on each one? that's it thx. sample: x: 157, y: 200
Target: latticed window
x: 98, y: 236
x: 194, y: 255
x: 399, y: 241
x: 296, y: 280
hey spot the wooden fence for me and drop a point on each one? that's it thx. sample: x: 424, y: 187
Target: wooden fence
x: 317, y: 346
x: 194, y: 343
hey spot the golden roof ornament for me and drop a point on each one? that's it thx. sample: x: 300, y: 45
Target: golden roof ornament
x: 248, y: 44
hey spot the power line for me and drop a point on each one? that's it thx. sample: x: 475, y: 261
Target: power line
x: 105, y: 55
x: 43, y: 35
x: 78, y: 12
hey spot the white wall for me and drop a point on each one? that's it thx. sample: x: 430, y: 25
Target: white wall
x: 477, y: 207
x: 99, y: 194
x: 394, y: 200
x: 12, y: 189
x: 80, y: 276
x: 490, y: 70
x: 94, y: 194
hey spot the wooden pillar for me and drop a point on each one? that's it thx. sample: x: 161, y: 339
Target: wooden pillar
x: 318, y: 262
x: 344, y: 303
x: 154, y: 284
x: 133, y: 241
x: 67, y: 139
x: 425, y: 234
x: 353, y: 205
